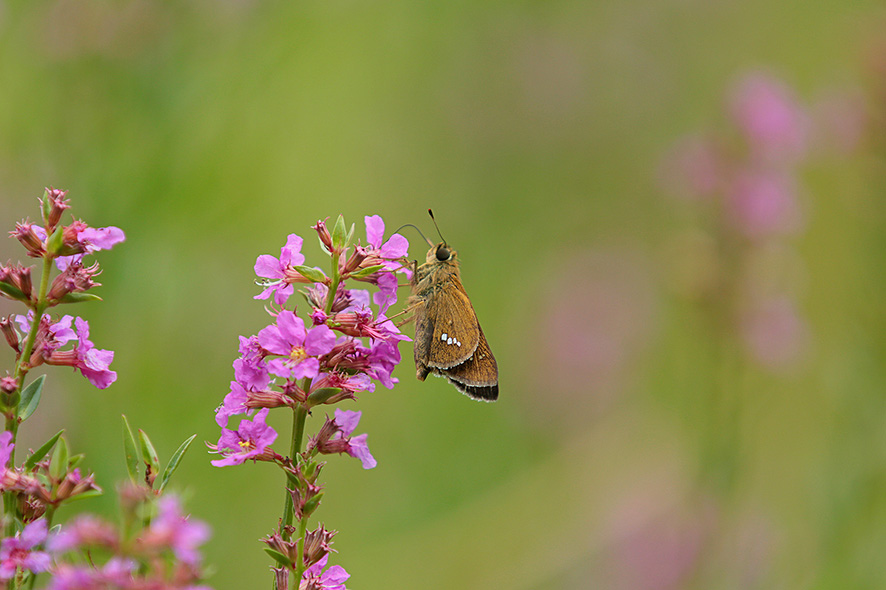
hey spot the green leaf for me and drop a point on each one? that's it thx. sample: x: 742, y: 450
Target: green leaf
x: 12, y: 291
x: 350, y: 239
x: 55, y: 242
x: 149, y: 454
x: 75, y: 460
x: 46, y: 204
x: 58, y: 465
x: 365, y: 272
x: 130, y: 451
x: 279, y: 557
x: 38, y: 455
x: 312, y: 504
x: 174, y: 461
x: 30, y: 398
x: 85, y: 495
x: 322, y: 395
x: 312, y: 274
x: 79, y: 297
x: 339, y: 234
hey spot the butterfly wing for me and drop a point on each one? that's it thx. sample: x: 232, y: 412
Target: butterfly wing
x: 477, y: 377
x: 451, y: 325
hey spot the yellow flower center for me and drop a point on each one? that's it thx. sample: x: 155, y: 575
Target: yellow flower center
x: 298, y: 354
x: 245, y: 445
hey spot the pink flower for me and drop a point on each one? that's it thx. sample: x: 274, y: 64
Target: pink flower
x: 18, y: 552
x: 268, y: 267
x: 249, y: 441
x: 770, y: 118
x: 173, y: 529
x: 301, y: 347
x: 315, y: 578
x: 764, y: 204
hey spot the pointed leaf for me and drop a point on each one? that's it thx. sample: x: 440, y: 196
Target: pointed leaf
x: 38, y: 455
x: 365, y: 272
x: 75, y: 460
x: 12, y: 291
x: 149, y: 455
x: 30, y: 398
x: 312, y: 274
x: 55, y: 242
x: 58, y: 465
x: 279, y: 557
x: 79, y: 297
x: 130, y: 451
x: 84, y: 495
x: 174, y: 461
x: 339, y: 234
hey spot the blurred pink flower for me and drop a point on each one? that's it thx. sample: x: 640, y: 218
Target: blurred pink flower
x: 763, y: 204
x: 774, y: 332
x: 770, y: 118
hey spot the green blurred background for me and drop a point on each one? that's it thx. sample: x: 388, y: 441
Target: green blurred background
x: 635, y: 444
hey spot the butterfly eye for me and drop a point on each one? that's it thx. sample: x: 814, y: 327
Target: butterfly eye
x: 442, y: 253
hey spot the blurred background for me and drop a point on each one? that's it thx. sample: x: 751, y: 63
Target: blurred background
x: 670, y: 221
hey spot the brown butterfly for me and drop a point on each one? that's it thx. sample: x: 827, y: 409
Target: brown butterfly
x: 448, y: 339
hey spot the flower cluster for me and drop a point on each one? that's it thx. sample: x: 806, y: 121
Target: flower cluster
x: 164, y: 554
x: 40, y: 484
x: 38, y: 342
x: 747, y: 181
x: 342, y: 344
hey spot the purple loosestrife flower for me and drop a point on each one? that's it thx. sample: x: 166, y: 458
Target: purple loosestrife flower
x: 250, y: 369
x: 92, y: 363
x: 315, y: 578
x: 174, y: 530
x: 18, y: 552
x: 334, y: 437
x: 770, y: 118
x: 301, y: 347
x: 280, y: 269
x: 395, y: 248
x: 250, y: 441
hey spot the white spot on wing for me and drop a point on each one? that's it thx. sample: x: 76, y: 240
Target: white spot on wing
x: 443, y: 337
x: 449, y: 341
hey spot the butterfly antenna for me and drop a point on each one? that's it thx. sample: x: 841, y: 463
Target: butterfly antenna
x: 431, y: 213
x: 416, y: 229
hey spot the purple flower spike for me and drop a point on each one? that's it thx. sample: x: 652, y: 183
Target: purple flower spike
x: 178, y: 531
x: 17, y: 552
x: 250, y: 440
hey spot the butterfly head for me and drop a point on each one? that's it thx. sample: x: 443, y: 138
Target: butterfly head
x: 441, y: 253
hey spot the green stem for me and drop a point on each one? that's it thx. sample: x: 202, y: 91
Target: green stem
x: 10, y: 509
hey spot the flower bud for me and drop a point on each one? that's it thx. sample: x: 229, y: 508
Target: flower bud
x: 24, y: 232
x: 54, y: 204
x: 8, y: 384
x: 317, y: 545
x: 324, y: 235
x: 9, y: 333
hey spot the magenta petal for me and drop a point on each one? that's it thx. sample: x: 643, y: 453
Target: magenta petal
x: 271, y: 340
x: 291, y: 254
x: 335, y: 575
x: 396, y: 247
x: 283, y: 293
x: 310, y: 367
x: 267, y: 266
x: 375, y: 230
x: 292, y: 329
x: 320, y: 340
x: 34, y: 533
x: 360, y: 450
x: 347, y: 420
